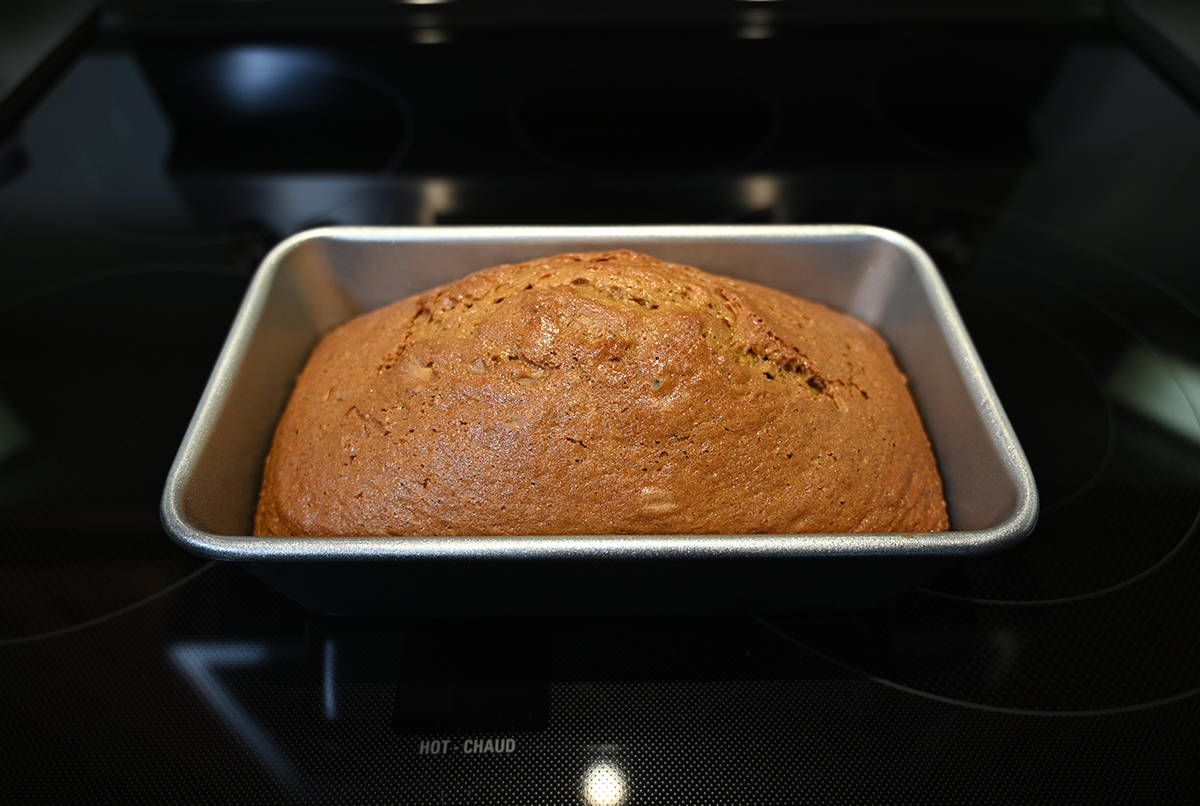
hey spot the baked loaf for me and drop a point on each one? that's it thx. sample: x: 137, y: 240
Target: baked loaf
x: 600, y: 393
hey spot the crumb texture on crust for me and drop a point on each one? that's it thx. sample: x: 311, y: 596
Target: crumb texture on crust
x: 600, y: 393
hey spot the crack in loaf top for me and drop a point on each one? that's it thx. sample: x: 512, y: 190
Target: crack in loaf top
x: 600, y: 393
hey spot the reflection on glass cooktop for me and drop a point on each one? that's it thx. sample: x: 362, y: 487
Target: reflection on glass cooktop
x: 1060, y: 211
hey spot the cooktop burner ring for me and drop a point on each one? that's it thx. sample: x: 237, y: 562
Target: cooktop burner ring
x: 248, y: 229
x: 1082, y: 478
x: 129, y: 608
x: 1081, y: 597
x: 1157, y: 702
x: 1171, y: 553
x: 83, y: 543
x: 1009, y: 247
x: 748, y: 102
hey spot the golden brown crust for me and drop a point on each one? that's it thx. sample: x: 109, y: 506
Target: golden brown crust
x: 600, y: 393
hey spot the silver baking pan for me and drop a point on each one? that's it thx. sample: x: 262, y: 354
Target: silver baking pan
x: 318, y: 279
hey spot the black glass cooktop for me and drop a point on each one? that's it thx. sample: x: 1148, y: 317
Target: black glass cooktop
x: 1054, y: 178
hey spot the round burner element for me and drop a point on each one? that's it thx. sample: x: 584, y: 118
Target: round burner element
x: 1058, y: 330
x: 1051, y: 395
x: 639, y: 116
x: 251, y: 141
x: 975, y: 111
x: 101, y: 378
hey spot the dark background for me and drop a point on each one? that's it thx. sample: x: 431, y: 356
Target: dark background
x: 1046, y: 155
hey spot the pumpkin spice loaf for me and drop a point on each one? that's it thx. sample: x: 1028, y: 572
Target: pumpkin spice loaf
x: 600, y: 393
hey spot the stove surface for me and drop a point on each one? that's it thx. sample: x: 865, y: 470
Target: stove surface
x: 1053, y: 177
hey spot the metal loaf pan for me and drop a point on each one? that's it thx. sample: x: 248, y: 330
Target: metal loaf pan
x: 318, y: 279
